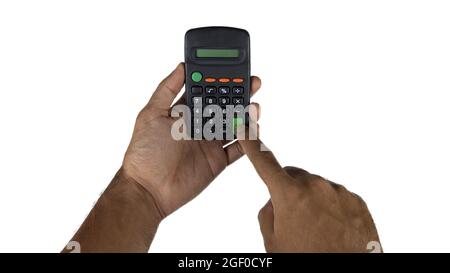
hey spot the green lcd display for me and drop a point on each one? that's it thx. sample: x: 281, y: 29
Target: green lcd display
x: 216, y: 53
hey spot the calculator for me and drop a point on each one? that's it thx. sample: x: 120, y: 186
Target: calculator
x: 217, y: 65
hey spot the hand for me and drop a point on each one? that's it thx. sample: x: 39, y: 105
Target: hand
x: 174, y: 172
x: 307, y: 213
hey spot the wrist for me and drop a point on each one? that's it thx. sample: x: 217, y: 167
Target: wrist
x: 124, y: 219
x: 129, y: 192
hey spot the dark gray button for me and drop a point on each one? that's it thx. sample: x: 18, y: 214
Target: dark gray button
x: 211, y: 100
x: 224, y: 100
x: 238, y: 90
x: 196, y: 90
x: 223, y: 90
x: 238, y: 100
x: 210, y: 90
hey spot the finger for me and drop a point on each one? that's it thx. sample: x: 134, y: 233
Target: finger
x: 266, y: 223
x: 168, y: 89
x: 254, y: 107
x: 265, y: 163
x: 255, y: 85
x: 233, y: 152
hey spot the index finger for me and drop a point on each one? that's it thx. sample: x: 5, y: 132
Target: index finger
x: 265, y: 163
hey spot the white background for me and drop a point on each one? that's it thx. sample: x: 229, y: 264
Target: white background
x: 356, y: 91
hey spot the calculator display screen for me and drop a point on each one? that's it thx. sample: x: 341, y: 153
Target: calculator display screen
x: 216, y: 53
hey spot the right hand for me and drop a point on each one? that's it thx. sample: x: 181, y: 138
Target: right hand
x: 307, y: 213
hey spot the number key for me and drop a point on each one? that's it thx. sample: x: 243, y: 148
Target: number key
x: 224, y: 100
x: 211, y: 100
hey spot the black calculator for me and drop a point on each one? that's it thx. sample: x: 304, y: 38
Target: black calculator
x: 217, y: 65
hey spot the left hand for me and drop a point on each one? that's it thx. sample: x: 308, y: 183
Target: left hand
x: 174, y: 172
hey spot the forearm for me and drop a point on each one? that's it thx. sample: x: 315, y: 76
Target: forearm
x: 124, y: 219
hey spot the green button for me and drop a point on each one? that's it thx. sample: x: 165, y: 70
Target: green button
x: 196, y: 76
x: 236, y: 123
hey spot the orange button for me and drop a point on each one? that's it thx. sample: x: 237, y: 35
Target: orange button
x: 224, y: 80
x: 210, y: 79
x: 238, y: 80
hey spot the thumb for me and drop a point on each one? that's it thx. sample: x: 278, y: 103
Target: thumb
x: 266, y: 223
x: 266, y: 218
x: 168, y: 89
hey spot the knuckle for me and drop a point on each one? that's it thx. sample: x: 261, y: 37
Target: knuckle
x: 337, y: 187
x: 296, y: 191
x: 316, y: 179
x: 360, y: 200
x: 295, y: 172
x: 144, y: 116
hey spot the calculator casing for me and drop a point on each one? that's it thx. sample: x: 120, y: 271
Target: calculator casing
x: 231, y: 68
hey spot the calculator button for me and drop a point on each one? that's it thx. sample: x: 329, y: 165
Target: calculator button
x: 197, y: 100
x: 238, y: 100
x: 238, y: 90
x: 211, y: 100
x: 224, y: 100
x: 196, y: 76
x: 197, y: 111
x: 209, y: 79
x: 236, y: 122
x: 224, y: 80
x: 210, y: 90
x: 196, y: 90
x: 197, y: 133
x: 238, y: 80
x: 197, y: 122
x: 238, y: 109
x: 223, y: 90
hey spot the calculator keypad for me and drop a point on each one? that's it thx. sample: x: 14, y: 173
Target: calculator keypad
x: 221, y: 91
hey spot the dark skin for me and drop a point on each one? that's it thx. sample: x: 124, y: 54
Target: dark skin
x: 307, y: 213
x: 160, y: 174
